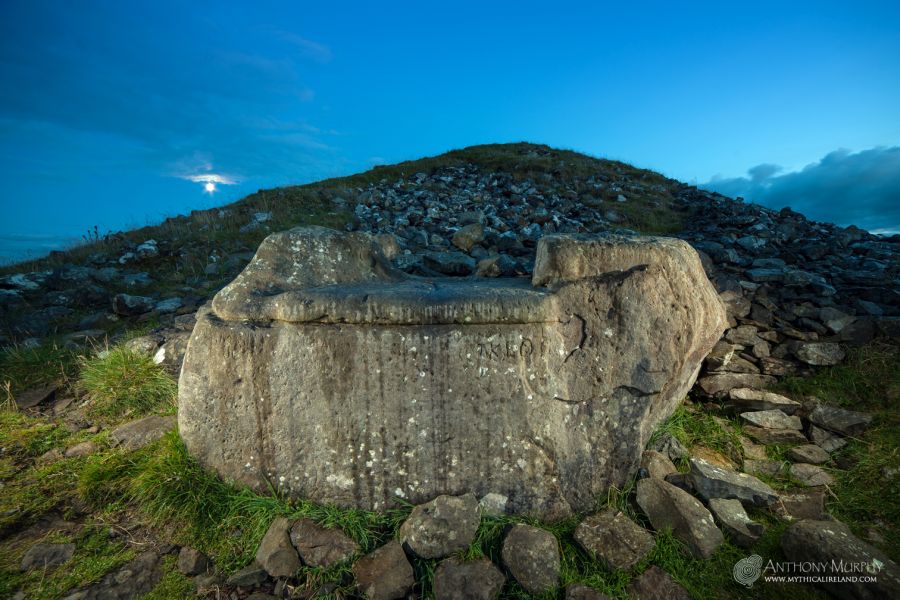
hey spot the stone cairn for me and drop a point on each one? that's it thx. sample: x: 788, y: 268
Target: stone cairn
x: 318, y: 316
x: 796, y: 293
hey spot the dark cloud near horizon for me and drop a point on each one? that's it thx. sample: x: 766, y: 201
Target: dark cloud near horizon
x: 846, y: 188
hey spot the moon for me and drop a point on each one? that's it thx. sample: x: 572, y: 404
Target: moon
x: 210, y: 187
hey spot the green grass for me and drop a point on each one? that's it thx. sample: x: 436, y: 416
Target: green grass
x: 24, y: 368
x: 693, y: 427
x: 124, y: 381
x: 31, y: 488
x: 868, y: 380
x: 225, y: 521
x: 174, y: 585
x: 864, y: 496
x: 162, y: 485
x: 95, y: 555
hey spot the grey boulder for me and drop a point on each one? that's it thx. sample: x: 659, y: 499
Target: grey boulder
x: 712, y: 481
x: 128, y: 306
x: 832, y: 542
x: 772, y: 419
x: 808, y: 453
x: 811, y: 475
x: 441, y: 527
x: 478, y: 579
x: 320, y: 546
x: 385, y: 574
x: 820, y: 353
x: 670, y: 507
x: 614, y: 539
x: 142, y: 432
x: 840, y: 420
x: 656, y: 584
x: 46, y: 556
x: 734, y: 520
x: 747, y: 399
x: 532, y: 557
x: 325, y: 370
x: 276, y: 554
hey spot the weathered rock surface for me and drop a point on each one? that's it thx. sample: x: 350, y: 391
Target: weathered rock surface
x: 712, y: 481
x: 251, y: 575
x: 576, y: 591
x: 720, y: 384
x: 772, y: 468
x: 772, y: 419
x: 139, y: 433
x: 734, y: 520
x: 614, y: 539
x: 668, y: 445
x: 46, y: 556
x: 809, y: 504
x: 81, y: 449
x: 746, y: 399
x: 820, y: 353
x: 808, y: 453
x: 276, y: 554
x: 132, y: 580
x: 441, y: 527
x: 826, y: 440
x: 319, y: 546
x: 385, y: 574
x: 845, y: 422
x: 767, y: 436
x: 128, y: 305
x: 532, y: 557
x: 580, y: 366
x: 656, y: 584
x: 811, y: 475
x: 657, y: 464
x: 668, y: 506
x: 832, y: 542
x: 34, y: 396
x: 192, y: 562
x: 472, y: 580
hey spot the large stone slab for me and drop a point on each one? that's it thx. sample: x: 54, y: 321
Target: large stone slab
x: 669, y: 507
x: 848, y: 567
x: 324, y: 370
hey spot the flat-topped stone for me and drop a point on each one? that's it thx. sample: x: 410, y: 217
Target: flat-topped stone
x: 324, y: 370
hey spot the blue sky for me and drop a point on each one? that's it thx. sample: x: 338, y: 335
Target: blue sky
x: 107, y: 108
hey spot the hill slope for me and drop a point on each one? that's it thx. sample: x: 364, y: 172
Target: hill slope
x: 92, y: 341
x: 518, y: 192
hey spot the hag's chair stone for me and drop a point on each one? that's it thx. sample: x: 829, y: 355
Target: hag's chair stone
x: 327, y: 373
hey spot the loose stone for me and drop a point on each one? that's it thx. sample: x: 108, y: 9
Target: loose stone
x: 385, y: 574
x: 614, y: 539
x: 441, y: 527
x: 532, y: 557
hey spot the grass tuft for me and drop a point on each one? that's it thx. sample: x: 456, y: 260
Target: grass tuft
x: 693, y: 427
x: 121, y: 380
x: 22, y: 368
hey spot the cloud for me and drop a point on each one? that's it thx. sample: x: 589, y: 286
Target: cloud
x: 846, y: 188
x: 211, y: 178
x: 163, y: 92
x: 308, y: 48
x: 763, y: 171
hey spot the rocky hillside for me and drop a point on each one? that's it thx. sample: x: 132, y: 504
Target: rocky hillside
x: 477, y: 211
x: 93, y: 337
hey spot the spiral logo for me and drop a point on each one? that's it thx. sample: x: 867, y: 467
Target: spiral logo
x: 747, y: 570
